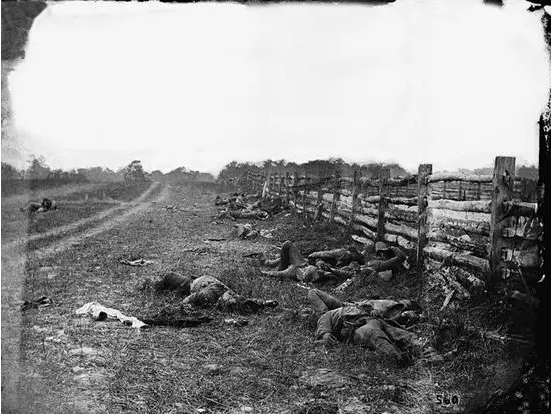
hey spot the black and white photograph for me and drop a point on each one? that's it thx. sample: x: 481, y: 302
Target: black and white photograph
x: 302, y: 207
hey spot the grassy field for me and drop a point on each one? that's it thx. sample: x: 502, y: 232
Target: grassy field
x: 74, y: 203
x: 74, y: 364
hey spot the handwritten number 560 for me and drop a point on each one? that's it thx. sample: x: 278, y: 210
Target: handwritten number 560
x: 446, y: 399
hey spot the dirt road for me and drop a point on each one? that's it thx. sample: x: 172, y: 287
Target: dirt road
x: 15, y: 258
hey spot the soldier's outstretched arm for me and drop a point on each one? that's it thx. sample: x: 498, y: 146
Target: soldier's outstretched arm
x: 398, y: 259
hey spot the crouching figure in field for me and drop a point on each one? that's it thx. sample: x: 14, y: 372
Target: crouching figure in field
x: 364, y: 324
x: 209, y: 291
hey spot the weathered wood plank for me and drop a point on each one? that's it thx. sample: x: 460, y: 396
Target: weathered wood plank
x: 403, y: 230
x: 517, y: 208
x: 473, y: 206
x: 473, y: 262
x: 468, y: 226
x: 463, y: 243
x: 408, y: 201
x: 368, y: 221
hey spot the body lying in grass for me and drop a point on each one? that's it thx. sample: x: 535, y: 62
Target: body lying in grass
x: 402, y: 312
x: 370, y: 323
x: 207, y: 290
x: 337, y: 264
x: 45, y: 205
x: 241, y: 206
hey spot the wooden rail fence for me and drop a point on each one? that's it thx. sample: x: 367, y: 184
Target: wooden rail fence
x: 476, y: 222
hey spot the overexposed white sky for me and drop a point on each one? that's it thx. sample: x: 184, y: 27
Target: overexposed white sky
x: 450, y: 82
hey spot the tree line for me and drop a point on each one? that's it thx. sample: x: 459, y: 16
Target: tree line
x: 39, y: 175
x: 334, y: 166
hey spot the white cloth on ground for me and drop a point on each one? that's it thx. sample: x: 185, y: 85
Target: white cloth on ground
x: 100, y: 312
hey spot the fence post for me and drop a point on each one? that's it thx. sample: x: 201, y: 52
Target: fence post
x: 286, y: 186
x: 502, y: 183
x: 319, y: 204
x: 336, y: 197
x: 355, y: 191
x: 304, y: 196
x: 296, y: 180
x: 384, y: 174
x: 265, y: 184
x: 422, y: 223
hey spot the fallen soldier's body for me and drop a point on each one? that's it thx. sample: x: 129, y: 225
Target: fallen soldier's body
x: 386, y: 262
x: 45, y: 205
x: 336, y: 264
x: 245, y: 214
x: 291, y: 265
x: 362, y: 325
x: 403, y: 312
x: 207, y: 290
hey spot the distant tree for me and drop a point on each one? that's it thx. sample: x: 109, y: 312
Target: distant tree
x: 396, y: 170
x: 528, y: 171
x: 38, y: 170
x: 55, y: 175
x: 134, y: 172
x: 483, y: 171
x: 156, y: 175
x: 9, y: 172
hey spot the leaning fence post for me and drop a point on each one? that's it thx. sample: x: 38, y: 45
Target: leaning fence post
x: 355, y: 191
x: 502, y: 183
x: 422, y: 223
x: 383, y: 176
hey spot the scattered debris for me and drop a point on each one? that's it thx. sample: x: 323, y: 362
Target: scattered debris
x: 78, y: 370
x: 213, y: 369
x: 41, y: 302
x: 177, y: 317
x: 244, y: 231
x: 342, y: 287
x: 101, y: 313
x: 447, y: 300
x: 329, y: 378
x: 252, y: 255
x: 85, y: 350
x: 268, y: 234
x: 137, y: 262
x: 236, y: 322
